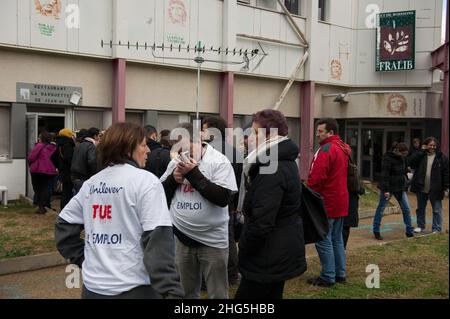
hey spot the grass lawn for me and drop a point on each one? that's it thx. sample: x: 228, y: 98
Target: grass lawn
x: 417, y: 268
x: 25, y: 233
x: 370, y: 199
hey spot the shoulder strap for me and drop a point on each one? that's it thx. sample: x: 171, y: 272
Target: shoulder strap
x: 350, y: 159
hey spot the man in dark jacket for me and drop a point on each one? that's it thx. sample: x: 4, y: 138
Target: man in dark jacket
x: 271, y: 246
x: 84, y: 161
x: 236, y: 160
x: 159, y: 157
x: 430, y: 181
x: 328, y: 177
x: 66, y: 144
x: 393, y: 183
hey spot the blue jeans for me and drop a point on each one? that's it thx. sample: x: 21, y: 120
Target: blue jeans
x: 402, y: 199
x: 331, y: 251
x: 436, y: 205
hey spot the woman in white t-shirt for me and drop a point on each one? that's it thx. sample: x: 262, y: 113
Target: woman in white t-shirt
x: 128, y: 250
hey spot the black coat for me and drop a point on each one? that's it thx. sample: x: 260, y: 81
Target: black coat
x: 439, y: 179
x: 64, y: 152
x: 271, y: 246
x: 84, y: 162
x: 236, y: 158
x: 393, y: 173
x: 158, y: 160
x: 352, y: 219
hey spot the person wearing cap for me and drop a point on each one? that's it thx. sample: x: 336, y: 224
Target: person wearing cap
x: 65, y: 142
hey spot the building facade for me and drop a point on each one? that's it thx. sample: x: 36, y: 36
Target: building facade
x: 60, y: 66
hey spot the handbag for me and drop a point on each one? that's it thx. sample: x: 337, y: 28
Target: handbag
x: 58, y: 187
x: 314, y: 216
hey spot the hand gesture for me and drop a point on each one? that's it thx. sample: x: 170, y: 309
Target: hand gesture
x: 187, y: 166
x: 178, y: 176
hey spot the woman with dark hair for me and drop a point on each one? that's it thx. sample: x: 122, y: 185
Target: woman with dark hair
x: 128, y: 251
x: 393, y: 183
x: 430, y: 182
x: 42, y: 170
x: 271, y: 246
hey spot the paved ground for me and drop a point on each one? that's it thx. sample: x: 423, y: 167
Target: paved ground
x: 51, y: 282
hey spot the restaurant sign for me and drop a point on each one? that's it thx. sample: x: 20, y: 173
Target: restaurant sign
x: 48, y: 94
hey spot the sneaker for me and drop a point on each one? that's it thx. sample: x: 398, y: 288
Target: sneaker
x: 378, y: 236
x: 340, y: 280
x: 318, y: 281
x: 409, y: 234
x: 418, y: 230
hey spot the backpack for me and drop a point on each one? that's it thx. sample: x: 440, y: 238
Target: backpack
x: 354, y: 182
x: 353, y: 177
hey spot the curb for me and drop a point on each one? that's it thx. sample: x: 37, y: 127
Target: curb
x: 27, y: 263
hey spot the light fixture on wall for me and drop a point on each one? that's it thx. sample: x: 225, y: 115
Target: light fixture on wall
x: 75, y: 98
x: 341, y: 98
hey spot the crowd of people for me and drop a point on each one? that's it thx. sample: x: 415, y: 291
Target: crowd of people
x: 160, y: 211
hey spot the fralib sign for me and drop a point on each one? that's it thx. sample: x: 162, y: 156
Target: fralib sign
x: 395, y: 41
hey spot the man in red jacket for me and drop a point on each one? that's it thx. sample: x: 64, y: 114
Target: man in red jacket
x: 328, y: 177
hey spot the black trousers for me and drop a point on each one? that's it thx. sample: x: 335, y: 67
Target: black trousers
x: 257, y: 290
x: 232, y: 252
x: 139, y: 292
x: 345, y: 235
x: 40, y: 184
x: 67, y: 193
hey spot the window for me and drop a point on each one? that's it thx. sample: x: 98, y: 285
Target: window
x: 269, y: 4
x: 4, y: 133
x: 293, y: 6
x: 134, y: 117
x: 322, y: 10
x: 167, y: 121
x: 88, y: 119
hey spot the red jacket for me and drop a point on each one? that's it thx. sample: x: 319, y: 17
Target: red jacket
x: 328, y: 175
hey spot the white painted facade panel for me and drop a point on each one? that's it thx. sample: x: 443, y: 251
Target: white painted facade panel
x: 95, y: 25
x: 159, y: 21
x: 341, y: 13
x: 12, y: 175
x: 367, y: 10
x: 340, y: 59
x: 322, y: 53
x: 8, y: 21
x: 396, y: 5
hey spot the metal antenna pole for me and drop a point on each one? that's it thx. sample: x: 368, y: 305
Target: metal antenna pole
x: 199, y: 60
x: 198, y: 90
x: 247, y: 55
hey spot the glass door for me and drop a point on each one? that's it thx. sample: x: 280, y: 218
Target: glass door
x: 394, y: 136
x: 371, y: 153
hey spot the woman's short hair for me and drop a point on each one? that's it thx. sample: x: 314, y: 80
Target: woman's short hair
x: 118, y: 143
x: 401, y: 147
x: 45, y: 137
x: 269, y: 118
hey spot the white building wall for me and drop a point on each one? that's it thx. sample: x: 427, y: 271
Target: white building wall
x: 345, y: 36
x: 12, y: 175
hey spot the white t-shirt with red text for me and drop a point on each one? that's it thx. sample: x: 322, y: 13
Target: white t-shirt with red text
x: 116, y: 206
x: 195, y: 216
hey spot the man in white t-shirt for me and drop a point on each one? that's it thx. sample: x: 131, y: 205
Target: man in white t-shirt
x: 198, y: 188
